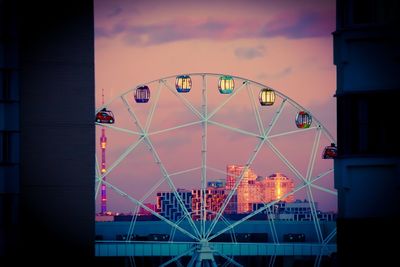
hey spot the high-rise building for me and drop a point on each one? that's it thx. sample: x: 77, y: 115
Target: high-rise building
x: 169, y: 207
x: 215, y: 196
x: 234, y: 173
x: 277, y: 186
x: 256, y: 189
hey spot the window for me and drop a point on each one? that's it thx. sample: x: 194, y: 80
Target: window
x: 366, y: 124
x: 5, y: 145
x: 8, y: 91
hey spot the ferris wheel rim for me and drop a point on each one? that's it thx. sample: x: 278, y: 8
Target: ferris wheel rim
x: 279, y: 93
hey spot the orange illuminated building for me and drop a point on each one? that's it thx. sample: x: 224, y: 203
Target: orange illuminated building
x: 215, y: 196
x: 234, y: 172
x: 273, y: 187
x: 257, y: 189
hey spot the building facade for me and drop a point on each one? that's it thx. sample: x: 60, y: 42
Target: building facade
x: 168, y: 205
x: 257, y: 189
x: 367, y: 169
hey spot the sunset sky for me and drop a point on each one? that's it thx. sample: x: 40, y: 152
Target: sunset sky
x: 284, y: 44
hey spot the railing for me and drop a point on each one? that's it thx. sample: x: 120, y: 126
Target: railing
x: 135, y: 248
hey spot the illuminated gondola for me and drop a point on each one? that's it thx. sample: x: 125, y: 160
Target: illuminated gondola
x: 226, y: 84
x: 142, y: 94
x: 303, y: 120
x: 183, y: 83
x: 266, y: 97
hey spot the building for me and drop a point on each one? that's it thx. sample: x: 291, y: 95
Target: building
x: 215, y: 196
x: 257, y: 189
x: 144, y: 212
x: 295, y: 211
x: 274, y: 187
x: 169, y: 207
x: 367, y: 169
x: 46, y: 130
x: 233, y: 174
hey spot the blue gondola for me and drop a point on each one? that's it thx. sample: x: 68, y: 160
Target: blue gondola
x: 183, y: 83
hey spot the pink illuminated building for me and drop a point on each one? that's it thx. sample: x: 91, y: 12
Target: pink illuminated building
x: 256, y: 189
x: 215, y: 196
x: 274, y: 187
x: 234, y: 173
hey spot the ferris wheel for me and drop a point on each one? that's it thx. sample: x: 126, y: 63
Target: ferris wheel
x: 204, y: 154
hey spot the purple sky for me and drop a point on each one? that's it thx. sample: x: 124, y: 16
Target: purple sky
x: 286, y: 45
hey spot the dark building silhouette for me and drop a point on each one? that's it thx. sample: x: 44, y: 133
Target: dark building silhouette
x: 367, y: 171
x: 47, y: 132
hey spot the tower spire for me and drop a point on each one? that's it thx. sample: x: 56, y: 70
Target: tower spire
x: 103, y: 143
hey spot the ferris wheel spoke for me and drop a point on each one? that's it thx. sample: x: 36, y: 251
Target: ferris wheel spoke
x: 137, y: 202
x: 292, y: 132
x: 318, y: 259
x: 122, y: 157
x: 255, y: 110
x: 170, y: 183
x: 133, y: 115
x: 257, y: 211
x: 314, y: 214
x: 203, y: 154
x: 328, y: 134
x: 134, y: 218
x: 271, y: 220
x: 234, y: 129
x: 185, y: 171
x: 173, y: 230
x: 152, y: 189
x: 184, y: 100
x: 98, y: 177
x: 329, y: 237
x: 278, y: 112
x: 321, y: 175
x: 272, y: 260
x: 311, y: 162
x: 229, y: 259
x: 323, y: 189
x: 238, y: 181
x: 119, y: 129
x: 133, y: 223
x: 177, y: 257
x: 175, y: 128
x: 226, y: 100
x: 152, y: 109
x: 220, y: 171
x: 286, y: 161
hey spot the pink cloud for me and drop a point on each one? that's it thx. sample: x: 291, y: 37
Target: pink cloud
x: 292, y: 25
